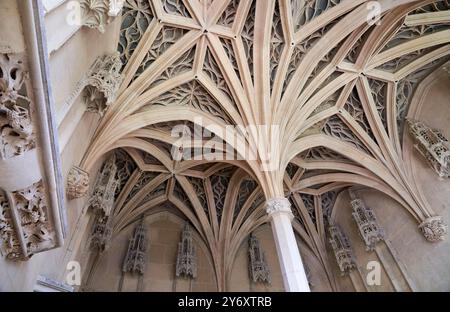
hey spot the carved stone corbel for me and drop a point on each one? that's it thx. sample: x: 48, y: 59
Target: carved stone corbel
x: 77, y: 183
x: 99, y: 13
x: 434, y: 229
x: 25, y: 220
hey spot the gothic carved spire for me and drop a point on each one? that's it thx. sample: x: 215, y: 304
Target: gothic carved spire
x: 259, y: 270
x: 341, y: 249
x: 367, y: 223
x: 186, y: 257
x: 134, y: 261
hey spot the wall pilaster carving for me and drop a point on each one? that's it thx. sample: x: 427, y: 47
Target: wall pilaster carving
x: 187, y: 257
x: 259, y: 270
x: 25, y: 221
x: 433, y: 145
x: 434, y: 229
x: 367, y: 223
x: 342, y: 250
x: 99, y: 13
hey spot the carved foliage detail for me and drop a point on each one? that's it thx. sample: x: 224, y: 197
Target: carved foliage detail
x: 434, y: 229
x: 77, y: 183
x: 98, y: 13
x: 16, y: 129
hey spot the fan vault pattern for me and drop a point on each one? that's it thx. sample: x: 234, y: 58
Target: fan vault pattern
x: 339, y: 88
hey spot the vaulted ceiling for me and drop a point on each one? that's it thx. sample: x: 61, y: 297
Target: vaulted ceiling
x: 338, y: 84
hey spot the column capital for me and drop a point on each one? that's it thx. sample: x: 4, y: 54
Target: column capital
x: 434, y: 229
x: 278, y: 205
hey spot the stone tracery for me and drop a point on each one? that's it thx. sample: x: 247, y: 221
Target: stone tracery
x: 186, y: 70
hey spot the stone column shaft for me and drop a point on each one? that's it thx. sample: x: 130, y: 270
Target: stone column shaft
x: 292, y: 269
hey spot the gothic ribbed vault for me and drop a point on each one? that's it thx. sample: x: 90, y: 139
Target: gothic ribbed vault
x: 338, y: 86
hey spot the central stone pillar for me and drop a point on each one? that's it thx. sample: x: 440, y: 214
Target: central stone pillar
x: 294, y: 276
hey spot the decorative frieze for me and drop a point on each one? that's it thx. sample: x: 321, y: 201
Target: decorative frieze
x: 366, y: 221
x: 433, y: 145
x: 186, y: 257
x: 102, y: 82
x: 99, y: 13
x: 341, y: 249
x: 77, y: 183
x: 135, y: 258
x: 259, y: 270
x: 434, y: 229
x: 102, y: 198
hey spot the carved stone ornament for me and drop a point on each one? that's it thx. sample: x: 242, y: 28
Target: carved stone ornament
x: 342, y: 250
x: 101, y: 232
x: 366, y: 221
x: 24, y: 225
x: 278, y: 204
x: 434, y: 229
x: 259, y: 270
x: 135, y: 258
x: 99, y: 13
x: 186, y: 257
x: 102, y: 83
x: 16, y: 130
x: 102, y: 198
x: 77, y: 183
x: 432, y: 144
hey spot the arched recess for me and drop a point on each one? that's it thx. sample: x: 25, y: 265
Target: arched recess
x: 105, y: 272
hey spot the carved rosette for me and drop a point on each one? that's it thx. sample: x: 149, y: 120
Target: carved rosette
x: 77, y: 183
x: 102, y: 83
x: 434, y: 229
x: 99, y: 13
x: 277, y: 205
x: 24, y: 225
